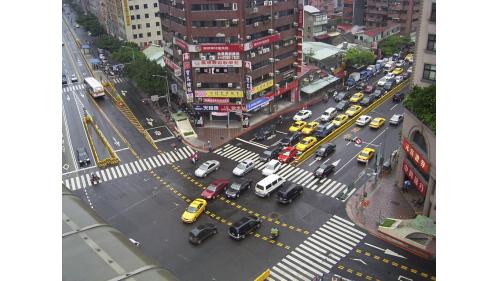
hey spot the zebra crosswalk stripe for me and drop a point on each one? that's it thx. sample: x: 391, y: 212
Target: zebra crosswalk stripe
x: 313, y: 240
x: 311, y: 276
x: 320, y: 187
x: 142, y: 165
x: 164, y: 156
x: 170, y: 157
x: 147, y: 164
x: 108, y: 173
x: 82, y: 179
x: 160, y: 159
x: 122, y: 167
x: 295, y: 259
x: 77, y: 179
x: 285, y: 274
x: 132, y: 166
x: 180, y: 154
x: 150, y: 160
x: 314, y: 256
x: 175, y: 157
x: 296, y: 274
x: 118, y: 171
x: 87, y: 179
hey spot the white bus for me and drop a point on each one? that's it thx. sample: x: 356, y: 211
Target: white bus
x: 94, y: 87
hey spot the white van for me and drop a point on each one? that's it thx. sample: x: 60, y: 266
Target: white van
x: 388, y: 67
x: 270, y: 183
x: 271, y: 167
x: 328, y: 114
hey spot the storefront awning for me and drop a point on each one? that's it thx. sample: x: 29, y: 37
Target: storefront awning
x: 319, y: 84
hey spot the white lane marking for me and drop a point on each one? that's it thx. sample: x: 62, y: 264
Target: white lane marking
x: 394, y: 106
x: 150, y: 160
x: 253, y: 143
x: 164, y: 156
x: 174, y: 156
x: 313, y: 161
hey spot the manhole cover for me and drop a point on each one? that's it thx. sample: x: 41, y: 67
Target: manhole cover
x: 274, y: 215
x: 395, y: 203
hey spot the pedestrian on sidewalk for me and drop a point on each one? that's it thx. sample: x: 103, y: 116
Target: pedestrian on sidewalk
x: 407, y: 185
x: 209, y: 146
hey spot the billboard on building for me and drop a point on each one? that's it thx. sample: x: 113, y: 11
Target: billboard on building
x: 216, y: 63
x: 219, y: 93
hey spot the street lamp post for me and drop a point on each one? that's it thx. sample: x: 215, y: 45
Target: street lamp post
x: 167, y: 89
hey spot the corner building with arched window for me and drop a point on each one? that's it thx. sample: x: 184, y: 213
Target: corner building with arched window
x: 417, y: 161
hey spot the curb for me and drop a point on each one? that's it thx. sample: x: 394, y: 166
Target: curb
x: 258, y: 124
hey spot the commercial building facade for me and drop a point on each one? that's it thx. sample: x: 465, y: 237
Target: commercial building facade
x: 232, y: 56
x: 424, y: 73
x: 380, y: 13
x: 315, y: 24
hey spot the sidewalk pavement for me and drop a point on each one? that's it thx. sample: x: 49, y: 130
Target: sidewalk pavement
x: 386, y: 200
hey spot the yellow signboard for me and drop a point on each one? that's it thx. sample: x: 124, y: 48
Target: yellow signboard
x: 220, y: 94
x: 262, y: 86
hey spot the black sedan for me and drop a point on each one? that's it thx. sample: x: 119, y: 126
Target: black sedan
x: 324, y: 170
x: 64, y: 79
x: 325, y: 150
x: 343, y: 105
x: 202, y: 232
x: 83, y: 156
x: 398, y: 97
x: 265, y: 133
x: 378, y: 93
x: 237, y: 188
x: 367, y: 100
x: 342, y: 96
x: 290, y: 140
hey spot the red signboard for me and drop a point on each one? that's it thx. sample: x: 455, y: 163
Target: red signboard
x: 207, y: 48
x: 230, y: 107
x: 266, y: 40
x: 215, y: 100
x: 177, y: 69
x: 301, y: 16
x: 282, y: 90
x: 416, y: 157
x: 417, y: 182
x: 181, y: 43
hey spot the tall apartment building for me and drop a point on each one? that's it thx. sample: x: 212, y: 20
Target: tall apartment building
x: 326, y: 6
x: 136, y: 21
x: 379, y: 13
x: 353, y: 12
x: 424, y: 73
x: 232, y: 55
x: 315, y: 24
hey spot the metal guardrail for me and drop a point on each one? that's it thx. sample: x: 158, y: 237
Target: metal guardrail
x: 113, y: 159
x: 340, y: 130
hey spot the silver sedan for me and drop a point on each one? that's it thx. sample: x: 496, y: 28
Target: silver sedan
x: 206, y: 168
x: 244, y: 167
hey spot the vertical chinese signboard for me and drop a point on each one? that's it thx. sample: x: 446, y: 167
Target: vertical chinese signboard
x: 418, y: 161
x: 300, y: 34
x: 416, y: 157
x: 187, y: 77
x: 419, y: 184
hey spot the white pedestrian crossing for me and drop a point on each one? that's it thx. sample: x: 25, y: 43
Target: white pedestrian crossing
x: 320, y: 252
x: 83, y: 180
x: 118, y: 80
x: 73, y: 87
x: 326, y: 186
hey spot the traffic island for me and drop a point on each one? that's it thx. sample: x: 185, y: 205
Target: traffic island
x: 419, y: 232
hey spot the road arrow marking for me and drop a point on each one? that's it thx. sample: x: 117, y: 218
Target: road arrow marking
x: 150, y: 121
x: 386, y: 251
x: 336, y: 163
x: 124, y: 92
x: 117, y: 143
x: 360, y: 260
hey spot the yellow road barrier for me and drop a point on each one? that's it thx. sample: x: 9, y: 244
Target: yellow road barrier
x: 340, y: 130
x: 264, y: 275
x: 113, y: 158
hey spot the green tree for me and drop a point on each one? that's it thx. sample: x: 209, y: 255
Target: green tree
x: 422, y: 102
x: 393, y: 44
x: 141, y: 71
x: 355, y: 56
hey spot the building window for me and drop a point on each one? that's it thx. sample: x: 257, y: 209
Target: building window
x: 146, y: 16
x: 419, y: 140
x: 149, y: 34
x: 131, y: 7
x: 132, y: 17
x: 157, y: 23
x: 157, y: 15
x: 133, y: 26
x: 158, y: 32
x: 148, y: 25
x: 137, y: 7
x: 155, y: 5
x: 433, y: 13
x: 431, y: 42
x: 145, y: 6
x: 135, y: 36
x: 139, y: 26
x: 140, y: 35
x: 429, y: 72
x: 138, y: 17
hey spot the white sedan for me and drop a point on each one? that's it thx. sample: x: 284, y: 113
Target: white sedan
x: 382, y: 81
x: 303, y: 114
x: 389, y: 76
x: 244, y: 167
x: 206, y: 168
x: 399, y: 79
x: 363, y: 120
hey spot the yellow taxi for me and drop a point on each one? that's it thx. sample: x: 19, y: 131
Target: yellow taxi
x: 353, y: 110
x: 397, y: 71
x: 194, y: 210
x: 339, y: 120
x: 309, y: 128
x: 409, y: 57
x: 366, y: 154
x: 297, y: 126
x: 306, y: 143
x: 357, y: 97
x: 377, y: 122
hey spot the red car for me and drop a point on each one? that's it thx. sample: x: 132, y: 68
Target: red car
x: 369, y: 89
x: 287, y: 154
x: 215, y: 188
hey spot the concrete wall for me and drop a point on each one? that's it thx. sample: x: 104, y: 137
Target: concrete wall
x: 422, y: 55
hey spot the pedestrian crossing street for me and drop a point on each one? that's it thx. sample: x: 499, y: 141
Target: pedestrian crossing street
x: 123, y: 170
x: 319, y: 252
x: 73, y: 87
x: 326, y: 186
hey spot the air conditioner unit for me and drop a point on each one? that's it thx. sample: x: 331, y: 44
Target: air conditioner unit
x: 184, y: 37
x: 179, y: 52
x: 295, y: 77
x: 249, y: 37
x: 229, y: 85
x: 277, y: 72
x: 202, y: 57
x: 295, y: 63
x: 268, y: 50
x: 234, y: 20
x: 198, y: 85
x: 291, y: 41
x: 255, y: 9
x: 235, y: 6
x: 295, y: 53
x: 252, y: 55
x: 276, y: 46
x: 271, y: 59
x: 269, y: 17
x: 195, y: 42
x: 197, y: 70
x: 271, y: 74
x: 270, y: 31
x: 212, y: 57
x: 276, y: 17
x: 295, y: 24
x: 260, y: 52
x: 256, y: 24
x: 238, y: 87
x: 265, y: 3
